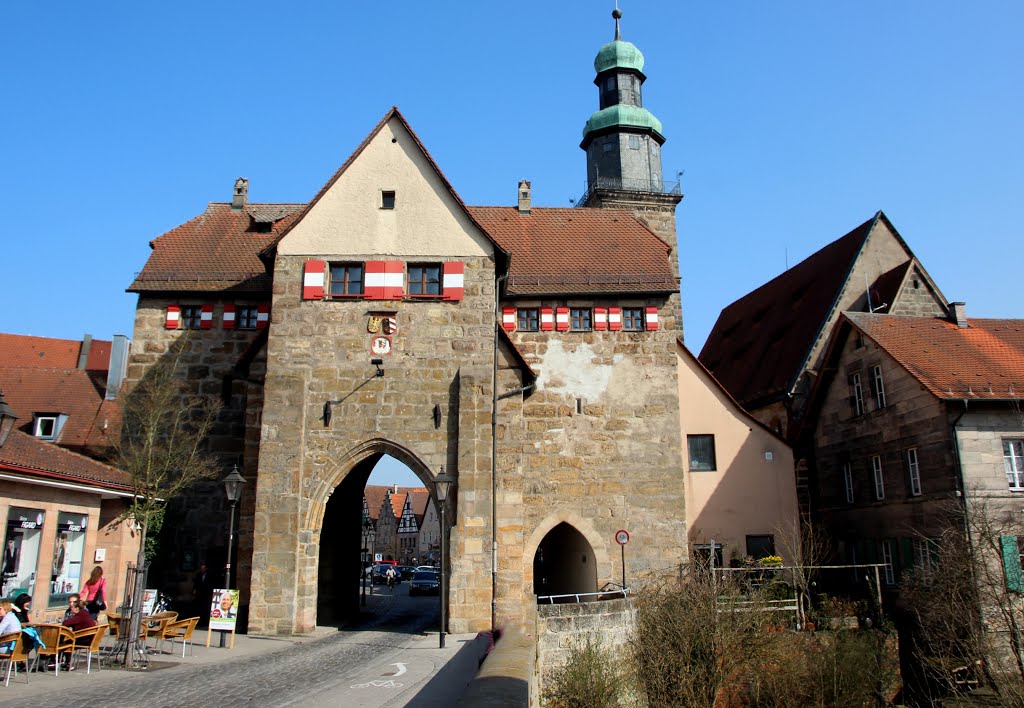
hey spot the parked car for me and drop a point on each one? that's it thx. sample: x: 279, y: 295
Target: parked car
x: 380, y: 573
x: 425, y: 582
x: 406, y: 571
x: 428, y: 567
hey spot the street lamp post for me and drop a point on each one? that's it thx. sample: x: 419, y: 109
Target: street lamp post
x: 373, y: 552
x: 442, y: 484
x: 367, y: 530
x: 233, y: 484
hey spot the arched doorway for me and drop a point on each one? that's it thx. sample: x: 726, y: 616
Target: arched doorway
x: 564, y: 563
x: 382, y: 494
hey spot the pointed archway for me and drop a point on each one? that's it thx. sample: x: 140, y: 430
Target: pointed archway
x: 564, y: 563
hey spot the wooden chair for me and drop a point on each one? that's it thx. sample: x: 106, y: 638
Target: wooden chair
x: 180, y: 629
x: 88, y: 641
x: 57, y: 639
x: 153, y: 625
x: 17, y: 654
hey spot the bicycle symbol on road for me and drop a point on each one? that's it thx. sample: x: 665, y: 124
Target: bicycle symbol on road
x: 377, y: 684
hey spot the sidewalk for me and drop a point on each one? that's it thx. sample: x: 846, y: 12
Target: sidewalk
x: 43, y: 684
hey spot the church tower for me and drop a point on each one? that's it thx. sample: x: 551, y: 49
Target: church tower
x: 623, y: 143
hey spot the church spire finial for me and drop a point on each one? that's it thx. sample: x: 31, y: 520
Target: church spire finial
x: 617, y: 14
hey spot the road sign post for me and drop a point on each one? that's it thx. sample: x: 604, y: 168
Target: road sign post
x: 622, y: 538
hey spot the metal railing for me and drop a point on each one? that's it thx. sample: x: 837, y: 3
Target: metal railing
x: 609, y: 591
x: 648, y: 186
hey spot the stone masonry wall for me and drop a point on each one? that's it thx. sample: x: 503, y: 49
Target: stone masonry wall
x: 319, y: 351
x: 561, y: 627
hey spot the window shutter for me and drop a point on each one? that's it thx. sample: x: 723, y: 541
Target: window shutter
x: 385, y: 280
x: 452, y: 280
x: 229, y: 317
x: 651, y: 319
x: 562, y: 319
x: 206, y: 316
x: 1011, y: 564
x: 547, y: 319
x: 508, y: 319
x: 313, y: 280
x: 262, y: 316
x: 600, y: 318
x: 173, y: 320
x: 614, y: 318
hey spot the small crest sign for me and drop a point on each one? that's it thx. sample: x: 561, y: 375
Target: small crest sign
x: 390, y: 325
x: 373, y: 324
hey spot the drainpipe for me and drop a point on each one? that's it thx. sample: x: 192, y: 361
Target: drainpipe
x: 494, y: 454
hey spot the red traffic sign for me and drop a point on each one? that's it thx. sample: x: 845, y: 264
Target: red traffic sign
x: 622, y: 537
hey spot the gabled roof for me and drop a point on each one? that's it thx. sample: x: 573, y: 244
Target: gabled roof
x: 558, y: 251
x: 217, y: 250
x: 23, y: 350
x: 374, y: 495
x: 393, y: 113
x: 984, y: 361
x: 420, y: 501
x: 760, y: 343
x: 397, y: 504
x: 26, y: 456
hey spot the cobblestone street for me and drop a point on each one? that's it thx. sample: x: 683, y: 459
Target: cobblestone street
x: 357, y: 667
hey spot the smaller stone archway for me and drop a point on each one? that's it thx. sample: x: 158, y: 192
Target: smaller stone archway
x: 565, y: 555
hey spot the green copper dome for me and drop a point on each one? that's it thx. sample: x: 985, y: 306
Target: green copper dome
x: 619, y: 54
x: 622, y: 115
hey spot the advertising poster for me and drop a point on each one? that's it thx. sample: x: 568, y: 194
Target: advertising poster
x: 224, y: 610
x: 148, y: 601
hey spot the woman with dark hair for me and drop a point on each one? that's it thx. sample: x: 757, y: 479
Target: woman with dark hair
x: 21, y: 607
x: 94, y: 592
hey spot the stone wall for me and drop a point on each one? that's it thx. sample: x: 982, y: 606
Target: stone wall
x: 561, y: 627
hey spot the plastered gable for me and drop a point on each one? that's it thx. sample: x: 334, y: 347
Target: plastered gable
x: 427, y: 220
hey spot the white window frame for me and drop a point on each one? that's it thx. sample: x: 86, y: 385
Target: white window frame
x: 858, y: 394
x: 887, y: 568
x: 878, y: 385
x: 848, y: 481
x: 876, y: 470
x: 923, y: 554
x: 914, y: 472
x: 37, y: 428
x: 1013, y: 459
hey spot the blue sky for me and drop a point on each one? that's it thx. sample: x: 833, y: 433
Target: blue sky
x: 792, y: 122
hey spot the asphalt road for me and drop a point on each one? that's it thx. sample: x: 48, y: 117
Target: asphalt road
x: 386, y: 660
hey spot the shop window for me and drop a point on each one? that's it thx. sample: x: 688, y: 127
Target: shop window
x: 68, y: 551
x: 21, y: 550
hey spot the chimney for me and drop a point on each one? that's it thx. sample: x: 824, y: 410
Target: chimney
x: 83, y: 353
x: 241, y: 196
x: 118, y: 365
x: 396, y: 489
x: 958, y: 314
x: 524, y: 198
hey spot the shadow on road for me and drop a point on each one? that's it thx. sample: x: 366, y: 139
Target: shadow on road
x: 447, y: 685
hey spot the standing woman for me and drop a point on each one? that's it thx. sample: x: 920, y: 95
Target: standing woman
x: 94, y: 592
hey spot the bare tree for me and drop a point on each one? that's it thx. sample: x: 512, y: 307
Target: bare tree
x: 968, y: 616
x: 804, y: 547
x: 163, y: 450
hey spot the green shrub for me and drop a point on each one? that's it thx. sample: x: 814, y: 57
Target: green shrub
x: 590, y: 679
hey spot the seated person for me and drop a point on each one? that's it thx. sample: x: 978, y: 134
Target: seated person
x: 21, y: 607
x: 73, y: 600
x: 78, y: 620
x: 8, y: 623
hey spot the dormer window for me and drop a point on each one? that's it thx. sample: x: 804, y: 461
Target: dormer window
x: 45, y: 426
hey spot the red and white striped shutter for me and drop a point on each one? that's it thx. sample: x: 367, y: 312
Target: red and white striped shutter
x: 547, y: 319
x: 229, y: 316
x: 614, y: 318
x: 262, y: 316
x: 600, y: 318
x: 206, y: 316
x: 453, y: 280
x: 373, y: 283
x: 394, y: 280
x: 562, y: 319
x: 651, y: 319
x: 173, y: 320
x: 508, y: 319
x: 313, y: 280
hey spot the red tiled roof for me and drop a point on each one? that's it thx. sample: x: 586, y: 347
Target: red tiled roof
x: 420, y: 500
x: 759, y: 344
x: 397, y: 504
x: 984, y: 361
x: 217, y: 250
x: 93, y: 424
x: 24, y: 454
x: 23, y: 350
x: 578, y: 250
x: 374, y: 495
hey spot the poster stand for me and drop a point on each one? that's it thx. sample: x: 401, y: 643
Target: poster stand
x: 223, y: 617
